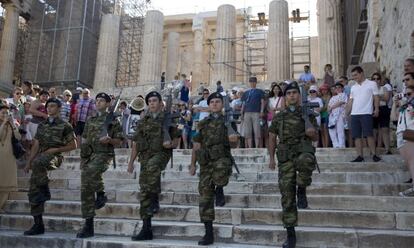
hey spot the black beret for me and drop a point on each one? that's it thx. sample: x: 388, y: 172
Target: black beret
x: 54, y: 100
x: 152, y: 94
x: 292, y: 86
x: 104, y: 96
x: 214, y: 95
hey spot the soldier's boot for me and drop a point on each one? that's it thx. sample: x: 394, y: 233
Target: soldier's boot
x: 220, y: 201
x: 101, y: 200
x: 155, y: 204
x: 37, y: 228
x: 145, y: 233
x: 87, y: 229
x: 208, y: 238
x: 302, y: 199
x: 291, y: 238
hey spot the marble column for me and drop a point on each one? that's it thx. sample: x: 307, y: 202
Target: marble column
x: 107, y: 56
x: 8, y: 47
x: 151, y: 60
x: 278, y: 54
x: 173, y: 49
x: 224, y: 68
x: 331, y: 35
x: 198, y: 24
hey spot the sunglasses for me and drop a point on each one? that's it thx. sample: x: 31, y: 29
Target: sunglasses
x: 206, y: 93
x: 18, y: 93
x: 408, y: 94
x: 376, y: 79
x: 312, y: 91
x: 68, y: 95
x: 406, y: 79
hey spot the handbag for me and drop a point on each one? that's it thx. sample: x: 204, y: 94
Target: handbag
x: 18, y: 150
x: 408, y: 135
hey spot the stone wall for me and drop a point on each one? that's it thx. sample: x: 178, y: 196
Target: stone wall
x: 390, y: 36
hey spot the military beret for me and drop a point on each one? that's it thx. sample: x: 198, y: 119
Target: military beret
x: 214, y: 95
x: 292, y: 86
x: 104, y: 96
x: 152, y: 94
x: 54, y: 100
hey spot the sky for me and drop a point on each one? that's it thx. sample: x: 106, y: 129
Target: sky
x: 173, y: 7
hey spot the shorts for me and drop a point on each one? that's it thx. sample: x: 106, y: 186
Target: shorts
x: 79, y: 128
x: 252, y: 125
x: 361, y: 126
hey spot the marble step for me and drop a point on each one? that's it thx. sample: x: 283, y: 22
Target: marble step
x: 270, y: 176
x: 246, y: 158
x: 233, y: 215
x: 234, y: 187
x: 15, y: 239
x: 256, y: 151
x: 264, y: 167
x: 239, y: 234
x: 316, y: 202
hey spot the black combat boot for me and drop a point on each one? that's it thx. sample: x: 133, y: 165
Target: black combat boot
x: 291, y: 238
x: 220, y: 201
x: 145, y: 233
x: 208, y: 238
x: 155, y: 205
x: 87, y: 229
x: 101, y: 200
x: 37, y: 228
x: 302, y: 199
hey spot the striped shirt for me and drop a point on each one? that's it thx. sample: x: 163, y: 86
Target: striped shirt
x: 84, y: 109
x: 65, y: 111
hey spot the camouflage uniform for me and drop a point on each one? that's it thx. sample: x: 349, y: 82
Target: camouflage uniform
x: 50, y: 135
x: 296, y: 159
x: 215, y: 161
x: 153, y: 158
x: 96, y: 158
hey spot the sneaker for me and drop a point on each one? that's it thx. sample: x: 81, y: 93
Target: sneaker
x: 409, y: 181
x: 358, y: 159
x: 376, y: 158
x: 407, y: 193
x: 388, y: 153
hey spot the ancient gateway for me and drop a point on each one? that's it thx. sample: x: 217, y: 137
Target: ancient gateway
x: 228, y: 44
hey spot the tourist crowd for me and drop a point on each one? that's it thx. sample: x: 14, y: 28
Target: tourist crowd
x: 350, y: 113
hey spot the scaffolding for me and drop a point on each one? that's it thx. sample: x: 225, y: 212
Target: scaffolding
x: 251, y: 48
x: 63, y: 39
x: 300, y: 38
x: 130, y: 42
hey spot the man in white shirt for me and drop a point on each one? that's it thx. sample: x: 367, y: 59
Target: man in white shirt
x: 364, y: 105
x: 203, y: 106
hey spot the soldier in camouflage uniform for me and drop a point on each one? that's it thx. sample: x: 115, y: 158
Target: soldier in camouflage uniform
x: 296, y: 158
x: 211, y: 149
x: 53, y: 137
x: 153, y: 154
x: 97, y: 153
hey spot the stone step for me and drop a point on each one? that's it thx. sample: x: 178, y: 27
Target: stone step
x: 316, y: 202
x: 246, y: 158
x: 256, y: 151
x: 270, y: 176
x: 264, y: 167
x: 235, y: 216
x: 234, y: 187
x: 67, y: 240
x: 239, y: 234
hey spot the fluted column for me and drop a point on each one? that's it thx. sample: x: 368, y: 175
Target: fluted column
x: 278, y: 55
x: 106, y: 61
x: 151, y: 60
x: 330, y: 35
x: 198, y: 25
x: 225, y: 49
x: 8, y: 46
x: 173, y: 49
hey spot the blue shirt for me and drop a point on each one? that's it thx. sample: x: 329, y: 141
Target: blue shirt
x: 252, y: 100
x: 306, y: 77
x: 184, y: 94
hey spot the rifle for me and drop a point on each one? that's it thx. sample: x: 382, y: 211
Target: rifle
x: 110, y: 117
x: 168, y: 116
x: 228, y: 118
x: 307, y: 111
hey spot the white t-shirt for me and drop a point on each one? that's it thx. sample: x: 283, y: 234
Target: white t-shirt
x: 363, y: 97
x: 203, y: 115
